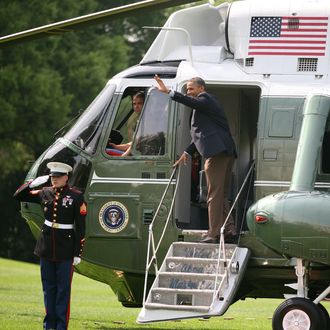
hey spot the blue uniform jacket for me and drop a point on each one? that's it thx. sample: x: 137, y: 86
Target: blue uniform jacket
x: 64, y: 206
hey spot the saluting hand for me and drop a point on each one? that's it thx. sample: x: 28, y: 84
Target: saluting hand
x: 39, y: 181
x: 76, y: 261
x: 161, y: 86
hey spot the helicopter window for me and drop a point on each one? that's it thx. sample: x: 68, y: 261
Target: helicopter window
x: 152, y: 127
x: 86, y: 132
x: 126, y: 120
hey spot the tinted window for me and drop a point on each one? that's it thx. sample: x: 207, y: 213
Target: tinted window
x: 58, y: 152
x: 151, y: 135
x: 126, y: 121
x: 86, y: 132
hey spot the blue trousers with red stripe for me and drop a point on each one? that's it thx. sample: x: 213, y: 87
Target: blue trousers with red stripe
x: 56, y: 280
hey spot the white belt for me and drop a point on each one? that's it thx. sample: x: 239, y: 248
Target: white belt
x: 58, y: 225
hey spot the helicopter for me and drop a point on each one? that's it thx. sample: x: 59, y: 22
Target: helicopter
x: 269, y: 67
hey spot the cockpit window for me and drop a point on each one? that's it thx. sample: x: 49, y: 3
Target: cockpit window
x: 151, y: 132
x: 126, y: 120
x: 86, y: 132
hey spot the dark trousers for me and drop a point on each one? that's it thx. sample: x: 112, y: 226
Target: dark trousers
x: 56, y: 280
x: 218, y: 174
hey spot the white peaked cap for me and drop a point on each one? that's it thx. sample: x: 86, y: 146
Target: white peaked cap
x: 57, y: 168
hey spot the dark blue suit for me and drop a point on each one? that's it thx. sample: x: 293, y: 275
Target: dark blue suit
x: 211, y: 137
x: 209, y: 126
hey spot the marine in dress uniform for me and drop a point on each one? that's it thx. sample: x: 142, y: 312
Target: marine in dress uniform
x: 61, y: 240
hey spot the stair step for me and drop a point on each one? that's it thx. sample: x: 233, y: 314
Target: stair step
x: 194, y: 232
x: 194, y: 265
x: 200, y: 250
x: 200, y: 281
x: 200, y: 309
x: 193, y: 235
x: 186, y: 289
x: 180, y: 293
x: 179, y: 297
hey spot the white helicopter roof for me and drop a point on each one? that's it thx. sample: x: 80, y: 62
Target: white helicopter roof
x: 274, y: 37
x: 229, y: 73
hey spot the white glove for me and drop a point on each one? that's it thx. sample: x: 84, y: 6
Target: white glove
x: 76, y: 261
x: 39, y: 181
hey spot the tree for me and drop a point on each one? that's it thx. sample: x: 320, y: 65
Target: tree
x: 43, y: 83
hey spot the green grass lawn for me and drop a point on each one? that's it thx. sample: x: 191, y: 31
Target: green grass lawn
x: 94, y: 306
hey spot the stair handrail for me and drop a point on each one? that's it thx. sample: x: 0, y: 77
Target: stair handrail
x: 222, y: 250
x: 151, y: 239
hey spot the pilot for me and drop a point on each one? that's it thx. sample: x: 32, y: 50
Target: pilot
x: 125, y: 148
x: 61, y: 239
x: 137, y: 102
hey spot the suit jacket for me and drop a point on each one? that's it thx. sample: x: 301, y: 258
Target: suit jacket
x: 64, y: 206
x: 209, y: 130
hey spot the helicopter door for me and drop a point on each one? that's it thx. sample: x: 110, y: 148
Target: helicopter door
x: 323, y: 174
x: 125, y: 190
x: 241, y: 104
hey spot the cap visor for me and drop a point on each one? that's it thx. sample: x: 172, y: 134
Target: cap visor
x: 57, y: 174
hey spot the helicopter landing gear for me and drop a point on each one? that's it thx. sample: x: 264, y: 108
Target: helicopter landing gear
x: 325, y: 315
x: 298, y: 314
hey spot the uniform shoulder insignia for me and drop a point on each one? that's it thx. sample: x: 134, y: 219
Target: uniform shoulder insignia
x: 75, y: 190
x: 83, y: 209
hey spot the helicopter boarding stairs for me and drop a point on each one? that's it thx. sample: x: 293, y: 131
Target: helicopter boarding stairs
x: 195, y: 279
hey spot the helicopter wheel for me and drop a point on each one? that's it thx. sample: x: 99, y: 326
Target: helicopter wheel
x: 298, y: 314
x: 325, y: 316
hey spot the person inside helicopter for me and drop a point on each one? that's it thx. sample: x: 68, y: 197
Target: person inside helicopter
x: 123, y: 149
x: 151, y: 132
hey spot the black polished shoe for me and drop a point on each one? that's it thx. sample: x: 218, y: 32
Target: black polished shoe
x: 209, y: 239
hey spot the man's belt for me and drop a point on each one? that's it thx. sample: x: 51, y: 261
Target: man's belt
x: 58, y: 225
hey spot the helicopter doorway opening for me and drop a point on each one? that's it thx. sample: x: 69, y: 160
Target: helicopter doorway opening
x: 241, y: 104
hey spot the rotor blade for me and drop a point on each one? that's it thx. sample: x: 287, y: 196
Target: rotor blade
x: 95, y: 18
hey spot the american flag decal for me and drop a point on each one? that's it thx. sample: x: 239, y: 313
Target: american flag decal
x: 297, y: 36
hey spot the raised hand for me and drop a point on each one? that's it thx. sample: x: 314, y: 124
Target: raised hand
x: 161, y: 86
x: 39, y: 181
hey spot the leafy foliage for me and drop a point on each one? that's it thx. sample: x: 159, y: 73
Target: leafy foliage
x: 45, y: 82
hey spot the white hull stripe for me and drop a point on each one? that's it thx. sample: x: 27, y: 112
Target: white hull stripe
x: 97, y: 179
x: 286, y: 184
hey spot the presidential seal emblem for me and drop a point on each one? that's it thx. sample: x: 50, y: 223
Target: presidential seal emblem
x: 113, y: 217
